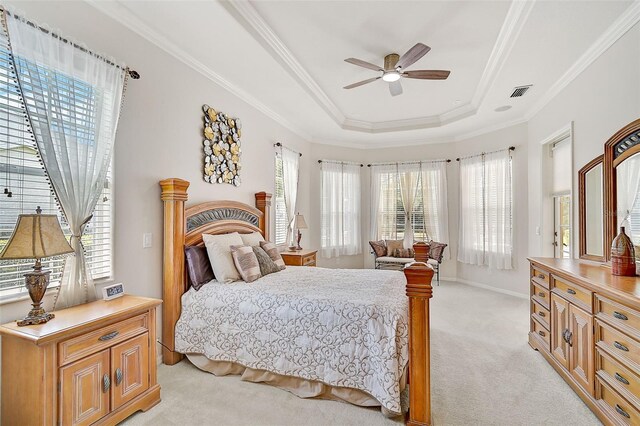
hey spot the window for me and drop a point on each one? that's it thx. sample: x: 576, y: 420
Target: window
x: 486, y: 210
x: 22, y: 175
x: 280, y: 206
x: 340, y: 209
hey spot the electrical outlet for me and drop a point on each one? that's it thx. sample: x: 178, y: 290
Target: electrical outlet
x: 537, y: 230
x: 147, y: 240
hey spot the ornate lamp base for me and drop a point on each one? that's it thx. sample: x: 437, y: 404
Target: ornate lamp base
x: 36, y: 282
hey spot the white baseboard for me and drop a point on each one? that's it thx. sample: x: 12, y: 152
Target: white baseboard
x: 487, y: 287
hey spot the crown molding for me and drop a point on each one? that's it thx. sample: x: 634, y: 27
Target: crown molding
x: 616, y: 30
x: 514, y: 21
x: 125, y: 17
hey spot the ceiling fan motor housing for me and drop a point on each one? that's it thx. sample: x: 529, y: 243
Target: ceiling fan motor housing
x: 390, y: 61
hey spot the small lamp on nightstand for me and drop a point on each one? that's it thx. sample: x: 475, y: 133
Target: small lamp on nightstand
x: 298, y: 224
x: 36, y: 236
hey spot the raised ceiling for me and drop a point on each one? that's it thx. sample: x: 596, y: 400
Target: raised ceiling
x: 287, y: 58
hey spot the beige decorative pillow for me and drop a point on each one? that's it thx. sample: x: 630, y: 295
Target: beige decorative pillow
x: 219, y: 251
x: 273, y: 253
x: 253, y: 239
x: 392, y: 246
x: 403, y: 253
x: 246, y: 263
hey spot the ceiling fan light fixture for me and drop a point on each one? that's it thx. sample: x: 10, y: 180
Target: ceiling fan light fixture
x: 391, y: 76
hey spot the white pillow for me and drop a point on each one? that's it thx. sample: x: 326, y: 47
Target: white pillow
x: 219, y: 251
x: 253, y: 239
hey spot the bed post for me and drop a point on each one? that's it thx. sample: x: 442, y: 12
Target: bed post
x: 174, y: 195
x: 419, y: 291
x: 263, y: 203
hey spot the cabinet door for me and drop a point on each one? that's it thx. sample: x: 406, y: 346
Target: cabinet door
x: 130, y: 369
x: 84, y: 389
x: 581, y: 358
x: 560, y: 329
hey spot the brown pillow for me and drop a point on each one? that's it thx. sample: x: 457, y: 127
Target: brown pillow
x: 198, y: 266
x: 405, y: 253
x: 392, y: 245
x: 379, y: 247
x: 246, y: 262
x: 267, y: 266
x: 436, y: 250
x: 273, y: 253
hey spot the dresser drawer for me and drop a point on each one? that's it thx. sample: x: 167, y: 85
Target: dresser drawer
x: 618, y: 344
x: 541, y: 332
x: 617, y: 407
x: 540, y: 295
x: 81, y: 346
x: 618, y: 376
x: 309, y: 260
x: 618, y: 315
x: 540, y: 313
x: 573, y: 293
x: 540, y: 277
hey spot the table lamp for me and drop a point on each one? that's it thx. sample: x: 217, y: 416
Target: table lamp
x: 36, y: 236
x: 299, y: 223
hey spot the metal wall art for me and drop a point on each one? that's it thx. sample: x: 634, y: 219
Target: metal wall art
x: 221, y: 147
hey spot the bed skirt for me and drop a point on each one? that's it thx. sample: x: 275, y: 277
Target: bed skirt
x: 300, y: 387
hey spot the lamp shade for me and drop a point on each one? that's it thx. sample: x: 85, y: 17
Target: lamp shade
x: 36, y: 236
x: 299, y: 222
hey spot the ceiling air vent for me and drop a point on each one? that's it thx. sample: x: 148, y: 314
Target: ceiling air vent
x: 520, y: 91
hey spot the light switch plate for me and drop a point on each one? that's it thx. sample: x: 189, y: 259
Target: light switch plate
x: 147, y: 240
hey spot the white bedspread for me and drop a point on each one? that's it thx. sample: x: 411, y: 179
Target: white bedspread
x: 344, y: 327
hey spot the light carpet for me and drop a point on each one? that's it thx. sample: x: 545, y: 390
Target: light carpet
x: 483, y: 373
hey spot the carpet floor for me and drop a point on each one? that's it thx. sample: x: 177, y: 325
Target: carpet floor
x: 483, y: 373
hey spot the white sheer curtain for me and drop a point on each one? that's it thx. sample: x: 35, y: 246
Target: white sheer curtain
x: 486, y: 210
x: 384, y: 181
x: 628, y: 188
x: 73, y: 101
x: 290, y: 168
x: 408, y: 177
x: 340, y: 209
x: 433, y: 177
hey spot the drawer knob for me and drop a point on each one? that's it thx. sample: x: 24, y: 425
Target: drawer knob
x: 108, y: 336
x: 541, y: 333
x: 620, y: 316
x: 567, y: 335
x: 622, y: 412
x: 620, y: 346
x: 541, y: 276
x: 106, y: 383
x: 118, y: 376
x: 541, y: 294
x: 541, y: 313
x: 571, y: 291
x: 621, y: 379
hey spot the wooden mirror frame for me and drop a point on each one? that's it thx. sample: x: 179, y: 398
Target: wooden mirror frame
x: 582, y: 211
x: 611, y: 161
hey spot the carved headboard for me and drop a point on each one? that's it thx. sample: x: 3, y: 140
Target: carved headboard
x: 184, y: 227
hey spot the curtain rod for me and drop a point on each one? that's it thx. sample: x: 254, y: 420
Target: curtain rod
x: 132, y: 73
x: 278, y: 144
x: 511, y: 148
x: 397, y: 163
x: 339, y: 162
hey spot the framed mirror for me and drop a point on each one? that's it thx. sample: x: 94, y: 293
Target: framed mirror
x: 591, y: 208
x: 622, y: 185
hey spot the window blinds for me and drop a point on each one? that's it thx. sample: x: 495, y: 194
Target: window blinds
x: 280, y: 236
x: 22, y: 174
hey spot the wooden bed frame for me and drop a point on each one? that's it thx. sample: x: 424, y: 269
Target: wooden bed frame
x: 184, y: 227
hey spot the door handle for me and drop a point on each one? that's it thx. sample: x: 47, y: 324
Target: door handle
x: 118, y: 376
x: 106, y: 383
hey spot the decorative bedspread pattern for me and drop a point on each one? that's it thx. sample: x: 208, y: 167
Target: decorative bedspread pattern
x: 343, y: 327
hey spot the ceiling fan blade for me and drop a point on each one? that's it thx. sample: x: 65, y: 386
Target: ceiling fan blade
x: 395, y: 88
x: 427, y: 74
x: 364, y: 64
x: 412, y: 55
x: 360, y: 83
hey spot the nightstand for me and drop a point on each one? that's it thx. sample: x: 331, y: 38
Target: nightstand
x: 299, y: 258
x: 94, y: 362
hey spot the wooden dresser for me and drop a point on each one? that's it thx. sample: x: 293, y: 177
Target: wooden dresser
x: 299, y: 258
x: 92, y: 363
x: 586, y: 323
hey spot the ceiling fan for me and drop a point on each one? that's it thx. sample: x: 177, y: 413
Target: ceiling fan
x: 394, y: 69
